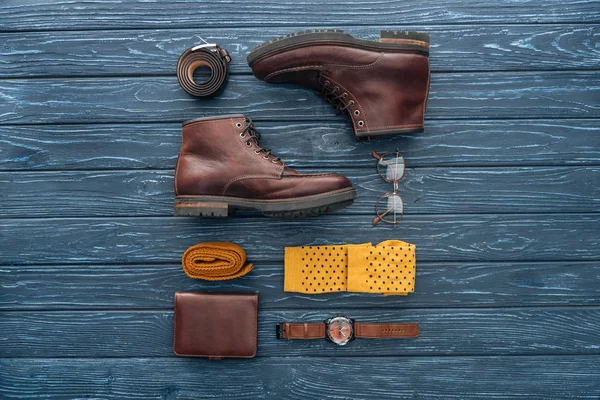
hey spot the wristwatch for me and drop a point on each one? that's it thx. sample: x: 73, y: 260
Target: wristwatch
x: 341, y: 330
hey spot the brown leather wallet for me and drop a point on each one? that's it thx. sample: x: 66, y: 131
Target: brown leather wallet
x: 215, y: 325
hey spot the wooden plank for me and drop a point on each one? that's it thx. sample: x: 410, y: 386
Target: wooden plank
x: 481, y: 237
x: 154, y: 52
x: 424, y: 191
x: 528, y: 377
x: 464, y: 284
x: 310, y: 144
x: 524, y: 331
x: 96, y: 14
x: 160, y: 99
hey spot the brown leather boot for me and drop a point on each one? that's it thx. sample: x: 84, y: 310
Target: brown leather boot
x: 381, y: 86
x: 221, y: 167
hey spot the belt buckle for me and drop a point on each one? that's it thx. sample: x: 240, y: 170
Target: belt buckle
x: 206, y: 45
x: 215, y: 48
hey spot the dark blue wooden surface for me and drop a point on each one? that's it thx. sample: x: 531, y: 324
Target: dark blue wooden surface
x: 502, y: 198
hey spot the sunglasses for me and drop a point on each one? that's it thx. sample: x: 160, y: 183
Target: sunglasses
x: 390, y: 207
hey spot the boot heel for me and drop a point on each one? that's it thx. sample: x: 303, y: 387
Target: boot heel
x: 189, y: 208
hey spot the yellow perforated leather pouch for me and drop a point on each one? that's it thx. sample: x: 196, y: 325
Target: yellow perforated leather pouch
x: 388, y: 268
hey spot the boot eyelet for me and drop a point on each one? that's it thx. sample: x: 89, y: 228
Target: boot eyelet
x: 327, y: 83
x: 344, y: 95
x: 360, y: 123
x: 256, y: 151
x: 351, y: 103
x: 238, y: 125
x: 266, y: 157
x: 248, y: 144
x: 356, y: 112
x: 274, y: 161
x: 243, y: 134
x: 335, y: 89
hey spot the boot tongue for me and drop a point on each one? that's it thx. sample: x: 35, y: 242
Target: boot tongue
x: 254, y: 136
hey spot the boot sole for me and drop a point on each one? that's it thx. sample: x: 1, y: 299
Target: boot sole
x: 391, y: 41
x: 405, y: 131
x: 222, y: 206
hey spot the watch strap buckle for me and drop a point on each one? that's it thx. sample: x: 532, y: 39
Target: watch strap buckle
x: 279, y: 331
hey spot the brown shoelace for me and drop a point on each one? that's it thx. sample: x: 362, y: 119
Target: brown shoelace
x: 254, y: 135
x: 333, y: 95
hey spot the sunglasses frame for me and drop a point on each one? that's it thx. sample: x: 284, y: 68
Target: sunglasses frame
x: 381, y: 216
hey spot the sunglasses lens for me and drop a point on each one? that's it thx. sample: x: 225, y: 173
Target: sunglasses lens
x: 391, y: 167
x: 390, y: 208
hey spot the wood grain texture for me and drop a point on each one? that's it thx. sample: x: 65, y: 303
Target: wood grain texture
x: 161, y: 99
x: 439, y: 285
x: 501, y: 192
x: 573, y: 377
x: 324, y: 145
x: 551, y: 331
x: 423, y: 190
x: 483, y: 237
x: 95, y: 14
x: 155, y: 52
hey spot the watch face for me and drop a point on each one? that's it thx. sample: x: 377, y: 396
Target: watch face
x: 340, y: 330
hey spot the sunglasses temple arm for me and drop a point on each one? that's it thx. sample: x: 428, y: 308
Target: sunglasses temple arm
x: 380, y: 217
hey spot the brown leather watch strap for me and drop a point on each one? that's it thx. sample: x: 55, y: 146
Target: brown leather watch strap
x: 374, y: 331
x: 302, y: 331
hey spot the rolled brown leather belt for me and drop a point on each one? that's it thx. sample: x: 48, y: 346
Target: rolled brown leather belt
x: 206, y: 55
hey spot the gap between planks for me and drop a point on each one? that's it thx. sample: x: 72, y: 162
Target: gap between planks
x: 308, y: 26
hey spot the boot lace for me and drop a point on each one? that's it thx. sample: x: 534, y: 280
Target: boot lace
x: 333, y: 95
x: 253, y: 136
